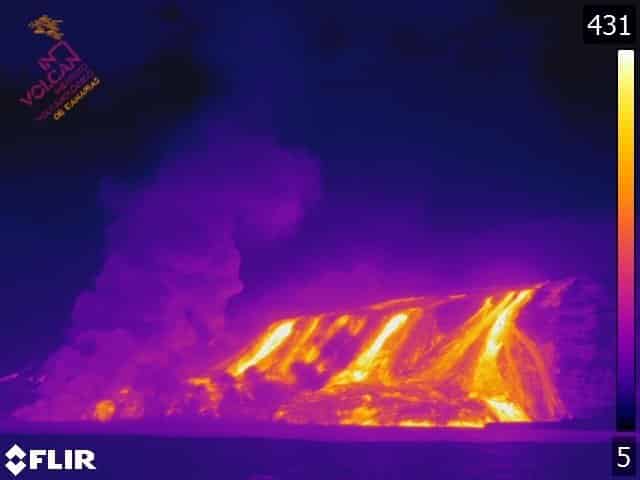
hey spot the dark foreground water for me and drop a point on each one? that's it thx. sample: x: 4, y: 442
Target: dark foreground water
x: 142, y: 457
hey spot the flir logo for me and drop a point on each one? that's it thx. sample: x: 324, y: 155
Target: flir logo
x: 48, y: 460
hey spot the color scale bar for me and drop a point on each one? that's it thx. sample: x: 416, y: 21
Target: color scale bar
x: 626, y: 385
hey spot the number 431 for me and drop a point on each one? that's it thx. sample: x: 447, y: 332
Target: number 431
x: 607, y: 25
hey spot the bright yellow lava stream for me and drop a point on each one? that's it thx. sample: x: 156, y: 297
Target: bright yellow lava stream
x: 385, y: 365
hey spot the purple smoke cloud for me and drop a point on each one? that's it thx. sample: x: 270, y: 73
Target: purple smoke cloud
x: 171, y: 266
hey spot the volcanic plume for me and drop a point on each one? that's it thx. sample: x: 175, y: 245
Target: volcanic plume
x: 157, y: 308
x: 151, y: 339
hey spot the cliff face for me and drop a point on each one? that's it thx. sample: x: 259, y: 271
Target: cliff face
x: 537, y: 353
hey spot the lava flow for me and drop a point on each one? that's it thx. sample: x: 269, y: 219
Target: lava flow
x: 385, y: 365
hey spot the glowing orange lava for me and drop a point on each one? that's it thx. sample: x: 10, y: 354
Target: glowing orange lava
x: 104, y: 411
x: 385, y: 365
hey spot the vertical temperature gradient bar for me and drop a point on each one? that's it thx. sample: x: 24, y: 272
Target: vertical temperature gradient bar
x: 626, y: 384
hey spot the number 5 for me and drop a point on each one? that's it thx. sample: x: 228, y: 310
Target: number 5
x: 621, y: 453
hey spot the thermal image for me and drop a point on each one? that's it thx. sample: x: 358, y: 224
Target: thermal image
x: 319, y: 240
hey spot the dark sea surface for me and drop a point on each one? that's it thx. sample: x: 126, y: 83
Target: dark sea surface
x: 150, y: 457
